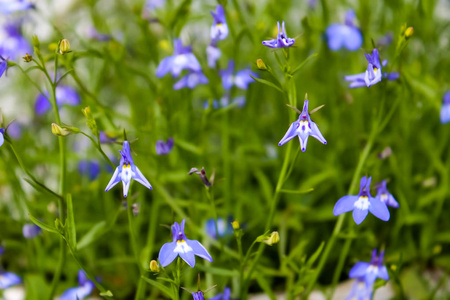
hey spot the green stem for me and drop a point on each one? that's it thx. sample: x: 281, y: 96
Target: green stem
x: 210, y: 195
x: 99, y: 148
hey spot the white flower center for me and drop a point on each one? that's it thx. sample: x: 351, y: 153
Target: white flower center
x: 127, y: 174
x: 384, y: 198
x: 182, y: 247
x: 362, y: 203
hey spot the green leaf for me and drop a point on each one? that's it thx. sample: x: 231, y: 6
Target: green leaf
x: 108, y: 293
x: 268, y: 83
x: 188, y: 146
x: 70, y: 224
x: 297, y: 191
x: 302, y: 64
x: 315, y: 256
x: 92, y: 235
x: 159, y: 286
x: 43, y: 225
x: 262, y: 282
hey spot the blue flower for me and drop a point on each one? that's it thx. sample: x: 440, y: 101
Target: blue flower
x: 369, y: 272
x: 373, y: 73
x: 127, y: 171
x: 105, y: 138
x: 31, y: 230
x: 445, y: 109
x: 303, y: 127
x: 362, y: 204
x: 242, y: 78
x: 281, y: 41
x: 95, y: 35
x: 64, y: 95
x: 3, y: 66
x: 91, y: 168
x: 182, y: 58
x: 186, y: 249
x: 223, y: 296
x: 191, y: 80
x: 164, y: 148
x: 153, y: 4
x: 2, y: 138
x: 223, y: 227
x: 360, y: 291
x: 14, y: 45
x: 225, y: 102
x: 344, y: 35
x: 8, y: 279
x: 10, y: 6
x: 219, y: 28
x: 198, y: 295
x: 2, y: 250
x: 213, y: 54
x: 384, y: 196
x: 84, y: 289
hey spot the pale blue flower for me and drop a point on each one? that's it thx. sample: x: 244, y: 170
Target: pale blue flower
x: 242, y: 78
x: 360, y: 291
x: 182, y: 59
x: 384, y: 196
x: 90, y: 168
x: 65, y: 95
x: 84, y: 289
x: 344, y: 35
x: 219, y: 28
x: 445, y: 109
x: 9, y: 6
x: 223, y: 296
x: 370, y: 271
x: 30, y: 231
x: 14, y: 45
x: 213, y: 54
x: 191, y: 80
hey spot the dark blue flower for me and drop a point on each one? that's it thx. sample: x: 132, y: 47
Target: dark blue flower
x: 281, y: 41
x: 362, y: 204
x: 191, y: 80
x: 3, y: 66
x: 198, y: 295
x: 224, y: 227
x: 64, y: 95
x: 2, y: 139
x: 127, y: 171
x: 164, y: 148
x: 344, y: 35
x: 370, y: 271
x: 186, y: 249
x: 360, y: 291
x: 31, y: 230
x: 84, y: 289
x: 242, y: 78
x: 90, y: 168
x: 445, y: 109
x: 14, y: 45
x: 223, y: 296
x: 213, y: 54
x: 10, y: 6
x: 182, y: 59
x: 219, y: 28
x: 303, y: 128
x: 384, y: 196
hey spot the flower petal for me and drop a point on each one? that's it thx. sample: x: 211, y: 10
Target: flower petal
x: 8, y: 279
x: 359, y: 269
x: 290, y: 134
x: 243, y: 79
x: 167, y: 253
x: 359, y: 215
x: 164, y: 66
x: 126, y: 187
x: 114, y: 179
x: 345, y: 204
x: 379, y: 209
x: 383, y: 273
x: 315, y: 133
x: 188, y: 257
x: 199, y: 250
x: 2, y: 139
x: 303, y: 142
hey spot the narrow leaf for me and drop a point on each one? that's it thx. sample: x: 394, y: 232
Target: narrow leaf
x: 159, y: 286
x: 315, y: 256
x: 302, y: 64
x: 70, y: 224
x: 43, y: 225
x: 268, y: 83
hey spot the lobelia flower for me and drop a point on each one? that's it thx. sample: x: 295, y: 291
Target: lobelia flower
x: 84, y: 289
x: 223, y: 227
x: 90, y: 168
x: 242, y: 78
x: 369, y: 272
x: 303, y: 127
x: 182, y: 58
x: 14, y: 45
x: 373, y: 73
x: 164, y: 148
x: 191, y: 80
x: 9, y: 6
x: 127, y: 171
x: 219, y: 28
x: 7, y: 279
x: 2, y: 138
x: 186, y: 249
x: 223, y: 296
x: 64, y: 95
x: 281, y: 41
x: 213, y: 54
x: 198, y: 295
x: 30, y: 231
x: 360, y: 291
x: 3, y: 66
x: 345, y: 35
x: 225, y: 102
x: 445, y: 109
x: 384, y: 196
x: 362, y: 204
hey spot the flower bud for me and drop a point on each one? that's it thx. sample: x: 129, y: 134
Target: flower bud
x: 235, y: 225
x: 27, y: 57
x: 274, y: 238
x: 261, y: 65
x: 409, y: 32
x: 90, y: 120
x: 64, y: 46
x: 59, y: 131
x: 154, y: 266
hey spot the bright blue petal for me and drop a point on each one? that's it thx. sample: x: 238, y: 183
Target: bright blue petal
x: 3, y: 66
x: 345, y: 204
x: 315, y: 133
x: 359, y: 215
x: 8, y: 279
x: 188, y: 257
x: 290, y: 134
x: 167, y: 254
x: 303, y: 142
x: 115, y: 179
x: 164, y: 66
x: 445, y: 113
x: 199, y: 250
x: 270, y: 43
x: 379, y: 209
x: 42, y: 104
x: 198, y: 295
x: 359, y: 269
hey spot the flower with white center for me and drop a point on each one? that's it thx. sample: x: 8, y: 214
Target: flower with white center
x: 369, y: 272
x: 384, y: 196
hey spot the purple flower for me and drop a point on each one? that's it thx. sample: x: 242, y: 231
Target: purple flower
x: 90, y: 168
x: 281, y: 41
x: 362, y: 204
x: 95, y: 35
x: 242, y: 78
x: 2, y: 138
x: 153, y: 4
x: 84, y: 289
x: 223, y: 227
x: 164, y: 148
x: 2, y: 250
x: 31, y: 230
x: 182, y: 58
x: 213, y: 54
x: 373, y: 73
x: 344, y: 35
x: 8, y: 279
x: 14, y: 45
x: 191, y: 80
x: 3, y: 66
x: 384, y: 196
x: 223, y: 296
x: 303, y: 127
x: 10, y: 6
x: 360, y: 291
x: 186, y: 249
x: 369, y: 272
x: 64, y: 95
x: 198, y: 295
x: 445, y: 109
x: 219, y: 28
x: 127, y: 171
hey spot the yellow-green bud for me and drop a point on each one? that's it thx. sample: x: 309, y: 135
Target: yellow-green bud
x: 261, y: 65
x: 64, y: 46
x: 90, y: 120
x: 59, y: 131
x: 154, y: 266
x: 235, y: 225
x: 27, y: 57
x: 274, y: 238
x: 409, y: 32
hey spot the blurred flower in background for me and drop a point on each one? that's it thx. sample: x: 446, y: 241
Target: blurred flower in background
x: 345, y: 35
x: 360, y: 291
x: 191, y: 80
x: 242, y: 78
x: 281, y: 41
x: 2, y: 139
x: 31, y: 230
x: 224, y: 228
x: 164, y: 148
x: 84, y: 289
x: 64, y: 95
x: 3, y: 65
x: 9, y: 6
x: 90, y: 168
x: 384, y: 196
x: 14, y: 46
x: 219, y: 28
x: 7, y: 279
x: 213, y: 54
x: 223, y: 296
x: 182, y: 59
x: 370, y: 271
x: 445, y: 109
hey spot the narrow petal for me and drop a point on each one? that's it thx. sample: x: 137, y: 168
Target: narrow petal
x: 167, y: 253
x: 188, y: 257
x: 290, y: 134
x: 315, y: 133
x: 357, y: 84
x: 359, y: 215
x: 199, y: 250
x: 383, y: 273
x: 345, y: 204
x: 126, y: 187
x: 379, y: 209
x: 192, y: 63
x: 182, y: 83
x: 303, y: 142
x: 2, y: 139
x: 392, y: 202
x: 445, y: 114
x: 114, y: 179
x: 164, y: 66
x: 359, y: 77
x: 270, y: 43
x: 359, y: 269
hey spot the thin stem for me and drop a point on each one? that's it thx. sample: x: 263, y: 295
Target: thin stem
x: 99, y: 148
x: 210, y: 195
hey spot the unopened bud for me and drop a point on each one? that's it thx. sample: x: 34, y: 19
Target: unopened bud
x: 27, y: 57
x: 274, y: 238
x: 409, y: 32
x: 59, y: 131
x: 90, y: 120
x: 261, y: 65
x: 154, y: 266
x: 235, y: 225
x: 64, y: 46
